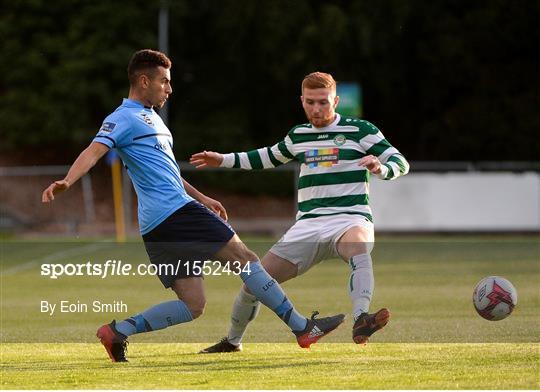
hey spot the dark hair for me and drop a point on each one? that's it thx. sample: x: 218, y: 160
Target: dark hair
x: 146, y: 60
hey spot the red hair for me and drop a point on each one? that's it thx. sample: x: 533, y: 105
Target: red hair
x: 318, y: 80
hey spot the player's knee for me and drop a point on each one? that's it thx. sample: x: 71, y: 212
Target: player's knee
x: 355, y: 241
x: 196, y: 307
x: 239, y: 252
x: 196, y: 303
x: 247, y: 256
x: 244, y: 254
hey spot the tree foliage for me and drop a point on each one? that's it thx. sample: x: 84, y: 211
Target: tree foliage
x: 449, y: 80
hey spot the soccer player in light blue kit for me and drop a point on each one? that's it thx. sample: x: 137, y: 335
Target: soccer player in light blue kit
x: 177, y: 222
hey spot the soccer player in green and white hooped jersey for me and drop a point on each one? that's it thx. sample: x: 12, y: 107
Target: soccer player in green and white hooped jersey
x: 337, y: 156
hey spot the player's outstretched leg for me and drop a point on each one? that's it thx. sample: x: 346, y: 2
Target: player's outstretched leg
x: 267, y: 290
x: 314, y: 330
x: 247, y: 306
x: 367, y: 324
x: 114, y: 336
x: 270, y: 293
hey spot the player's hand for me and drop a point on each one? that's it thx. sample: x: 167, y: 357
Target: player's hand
x: 215, y: 206
x: 53, y: 189
x: 206, y: 159
x: 371, y: 163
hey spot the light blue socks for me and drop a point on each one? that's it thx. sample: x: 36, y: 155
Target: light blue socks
x: 159, y: 316
x: 269, y: 292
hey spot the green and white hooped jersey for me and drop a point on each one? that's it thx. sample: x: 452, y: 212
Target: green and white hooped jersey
x: 330, y: 182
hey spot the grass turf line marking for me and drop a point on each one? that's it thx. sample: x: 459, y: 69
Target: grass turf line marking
x: 57, y: 256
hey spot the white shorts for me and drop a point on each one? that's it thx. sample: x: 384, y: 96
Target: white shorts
x: 310, y: 241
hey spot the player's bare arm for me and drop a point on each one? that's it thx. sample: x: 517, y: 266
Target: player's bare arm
x: 206, y: 159
x: 84, y: 162
x: 212, y: 204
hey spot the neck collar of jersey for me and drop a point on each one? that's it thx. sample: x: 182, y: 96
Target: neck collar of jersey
x: 131, y: 103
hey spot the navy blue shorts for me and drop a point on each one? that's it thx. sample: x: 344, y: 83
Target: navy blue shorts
x: 189, y: 235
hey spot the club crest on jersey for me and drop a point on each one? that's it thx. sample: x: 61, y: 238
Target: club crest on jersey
x: 107, y: 127
x: 340, y: 140
x: 147, y: 119
x: 322, y: 157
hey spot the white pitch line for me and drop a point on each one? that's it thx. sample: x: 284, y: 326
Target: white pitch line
x: 55, y: 257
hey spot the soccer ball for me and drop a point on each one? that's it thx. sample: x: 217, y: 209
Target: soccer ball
x: 494, y: 298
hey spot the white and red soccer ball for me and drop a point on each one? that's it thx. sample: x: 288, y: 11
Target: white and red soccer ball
x: 494, y: 298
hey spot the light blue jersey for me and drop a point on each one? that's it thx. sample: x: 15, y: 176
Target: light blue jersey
x: 145, y: 143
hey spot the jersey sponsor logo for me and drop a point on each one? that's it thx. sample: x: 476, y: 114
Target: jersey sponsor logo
x: 324, y: 136
x: 107, y: 127
x: 340, y: 140
x: 322, y: 157
x: 161, y: 146
x: 147, y: 119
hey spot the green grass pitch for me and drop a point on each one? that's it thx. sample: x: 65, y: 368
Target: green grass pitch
x: 435, y: 339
